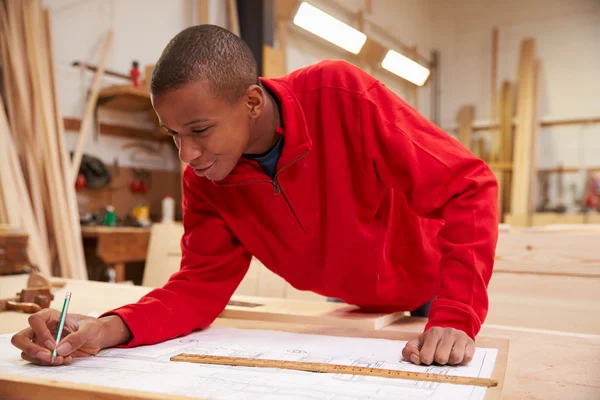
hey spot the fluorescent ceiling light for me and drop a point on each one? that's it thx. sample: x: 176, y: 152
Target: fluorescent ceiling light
x: 329, y: 28
x: 405, y: 68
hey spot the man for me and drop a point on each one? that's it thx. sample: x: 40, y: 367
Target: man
x: 324, y: 175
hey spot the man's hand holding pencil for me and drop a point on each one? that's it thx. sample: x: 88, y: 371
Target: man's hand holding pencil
x: 54, y: 338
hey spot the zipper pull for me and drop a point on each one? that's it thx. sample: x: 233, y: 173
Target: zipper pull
x: 276, y: 188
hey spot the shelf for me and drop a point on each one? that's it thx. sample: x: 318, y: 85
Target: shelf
x: 73, y: 124
x: 124, y: 98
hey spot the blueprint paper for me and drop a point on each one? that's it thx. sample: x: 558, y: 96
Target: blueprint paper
x: 148, y: 368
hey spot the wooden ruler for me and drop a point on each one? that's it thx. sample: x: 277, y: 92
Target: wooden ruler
x: 333, y: 369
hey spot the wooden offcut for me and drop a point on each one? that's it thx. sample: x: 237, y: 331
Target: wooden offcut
x: 307, y: 312
x: 522, y: 167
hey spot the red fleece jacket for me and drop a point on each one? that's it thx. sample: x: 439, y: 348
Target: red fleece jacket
x: 371, y: 203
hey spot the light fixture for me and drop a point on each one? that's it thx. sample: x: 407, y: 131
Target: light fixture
x: 405, y: 68
x: 329, y: 28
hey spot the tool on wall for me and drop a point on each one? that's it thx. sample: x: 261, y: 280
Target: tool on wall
x: 93, y: 174
x: 141, y: 180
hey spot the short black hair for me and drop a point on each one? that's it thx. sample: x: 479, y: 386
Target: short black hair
x: 206, y: 52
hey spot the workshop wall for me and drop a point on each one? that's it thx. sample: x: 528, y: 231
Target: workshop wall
x: 141, y: 29
x: 566, y: 42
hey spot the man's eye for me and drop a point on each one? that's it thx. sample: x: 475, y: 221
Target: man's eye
x: 172, y: 133
x: 199, y: 131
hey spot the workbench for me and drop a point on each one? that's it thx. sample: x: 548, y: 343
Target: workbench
x: 117, y: 246
x: 540, y: 364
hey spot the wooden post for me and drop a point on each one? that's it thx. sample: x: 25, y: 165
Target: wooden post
x: 495, y: 109
x: 506, y: 142
x: 465, y: 126
x: 521, y: 184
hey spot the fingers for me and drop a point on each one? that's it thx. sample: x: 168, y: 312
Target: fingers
x: 39, y: 322
x: 58, y: 360
x: 442, y: 353
x: 458, y: 352
x: 23, y: 341
x: 431, y: 338
x: 32, y: 351
x: 469, y: 352
x: 74, y: 341
x: 446, y: 346
x: 411, y: 351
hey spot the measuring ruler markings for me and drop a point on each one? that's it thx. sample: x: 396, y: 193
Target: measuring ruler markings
x: 333, y: 369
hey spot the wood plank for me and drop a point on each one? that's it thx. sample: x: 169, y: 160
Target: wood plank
x: 203, y: 9
x: 23, y: 388
x: 535, y: 131
x: 550, y: 252
x: 65, y: 161
x: 522, y: 155
x: 465, y: 126
x: 94, y: 68
x: 233, y: 20
x: 74, y: 125
x: 495, y: 107
x: 307, y: 312
x: 90, y: 106
x: 506, y: 142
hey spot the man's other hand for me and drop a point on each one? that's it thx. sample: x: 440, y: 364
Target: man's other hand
x: 444, y: 346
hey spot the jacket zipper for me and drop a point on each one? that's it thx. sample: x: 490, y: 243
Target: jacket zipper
x: 276, y: 187
x: 278, y: 191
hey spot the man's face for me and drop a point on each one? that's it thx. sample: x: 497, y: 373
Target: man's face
x: 210, y: 133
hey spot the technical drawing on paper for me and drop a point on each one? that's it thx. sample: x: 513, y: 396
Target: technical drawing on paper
x: 149, y: 368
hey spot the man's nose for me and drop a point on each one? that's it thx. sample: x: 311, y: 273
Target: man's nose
x: 189, y: 151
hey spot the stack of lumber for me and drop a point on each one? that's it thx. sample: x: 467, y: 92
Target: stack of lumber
x: 37, y: 187
x: 512, y: 145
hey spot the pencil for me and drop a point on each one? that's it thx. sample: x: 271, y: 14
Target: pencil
x: 61, y: 323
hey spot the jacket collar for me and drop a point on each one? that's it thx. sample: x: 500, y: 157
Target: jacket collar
x: 296, y: 139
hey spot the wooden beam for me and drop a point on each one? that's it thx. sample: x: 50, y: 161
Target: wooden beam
x: 94, y: 68
x: 89, y: 109
x: 465, y: 126
x: 506, y: 142
x: 522, y: 155
x: 535, y: 131
x: 233, y: 20
x: 495, y: 110
x: 74, y: 124
x: 203, y: 9
x: 65, y: 163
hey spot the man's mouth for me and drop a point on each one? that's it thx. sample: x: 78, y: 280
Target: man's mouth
x: 203, y: 170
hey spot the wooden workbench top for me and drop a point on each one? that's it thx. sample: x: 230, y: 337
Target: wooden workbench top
x: 93, y: 231
x: 541, y: 364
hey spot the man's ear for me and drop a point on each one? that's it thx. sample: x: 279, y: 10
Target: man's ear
x: 255, y: 101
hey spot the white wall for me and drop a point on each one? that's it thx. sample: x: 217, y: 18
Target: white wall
x: 567, y: 35
x: 141, y: 29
